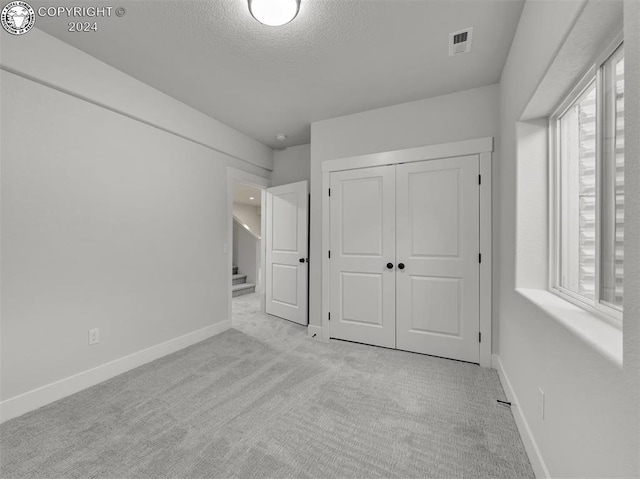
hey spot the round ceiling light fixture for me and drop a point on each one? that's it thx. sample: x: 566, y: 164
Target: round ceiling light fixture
x: 281, y: 137
x: 274, y: 13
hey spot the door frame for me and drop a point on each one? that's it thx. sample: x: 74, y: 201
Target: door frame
x: 235, y: 176
x: 483, y: 148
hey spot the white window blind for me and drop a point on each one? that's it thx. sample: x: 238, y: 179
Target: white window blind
x: 578, y: 195
x: 612, y: 258
x: 589, y: 190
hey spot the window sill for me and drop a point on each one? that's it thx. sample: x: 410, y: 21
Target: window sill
x: 594, y: 331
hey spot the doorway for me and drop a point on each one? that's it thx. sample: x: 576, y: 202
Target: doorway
x: 267, y: 245
x: 246, y: 245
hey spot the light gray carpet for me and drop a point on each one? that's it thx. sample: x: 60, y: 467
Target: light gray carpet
x: 264, y: 401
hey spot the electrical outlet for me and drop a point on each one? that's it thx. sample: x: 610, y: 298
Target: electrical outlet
x: 225, y: 247
x: 541, y: 402
x: 94, y: 336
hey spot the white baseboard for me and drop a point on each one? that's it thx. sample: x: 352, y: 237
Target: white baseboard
x: 31, y: 400
x: 530, y: 445
x: 317, y: 330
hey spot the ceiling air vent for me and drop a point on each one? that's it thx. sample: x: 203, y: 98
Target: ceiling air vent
x: 460, y: 41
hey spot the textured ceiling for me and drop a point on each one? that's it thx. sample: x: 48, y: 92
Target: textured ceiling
x: 337, y: 57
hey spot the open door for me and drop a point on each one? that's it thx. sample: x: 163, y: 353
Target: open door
x: 286, y: 251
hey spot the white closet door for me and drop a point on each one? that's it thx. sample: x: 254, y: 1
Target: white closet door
x: 438, y: 228
x: 363, y: 240
x: 286, y: 251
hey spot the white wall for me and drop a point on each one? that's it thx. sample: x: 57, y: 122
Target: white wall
x: 590, y: 428
x: 458, y: 116
x: 107, y: 221
x: 249, y: 215
x: 631, y: 340
x: 39, y: 56
x: 291, y: 165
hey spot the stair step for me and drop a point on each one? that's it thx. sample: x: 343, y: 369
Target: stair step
x: 238, y: 278
x: 235, y: 270
x: 244, y: 288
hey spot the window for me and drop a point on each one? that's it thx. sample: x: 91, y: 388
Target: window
x: 588, y: 190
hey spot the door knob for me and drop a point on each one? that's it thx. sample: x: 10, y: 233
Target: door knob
x: 389, y: 265
x: 301, y: 260
x: 400, y: 265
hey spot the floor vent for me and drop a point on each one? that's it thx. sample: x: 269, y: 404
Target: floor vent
x: 460, y: 41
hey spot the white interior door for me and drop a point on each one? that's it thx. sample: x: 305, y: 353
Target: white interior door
x: 362, y: 294
x: 437, y: 241
x: 286, y: 245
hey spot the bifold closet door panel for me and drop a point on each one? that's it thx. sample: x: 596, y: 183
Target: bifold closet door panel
x: 362, y: 291
x: 437, y: 241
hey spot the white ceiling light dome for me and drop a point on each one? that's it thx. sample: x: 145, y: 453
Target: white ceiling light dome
x: 274, y: 13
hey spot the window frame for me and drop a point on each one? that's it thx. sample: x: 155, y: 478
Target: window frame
x: 594, y: 75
